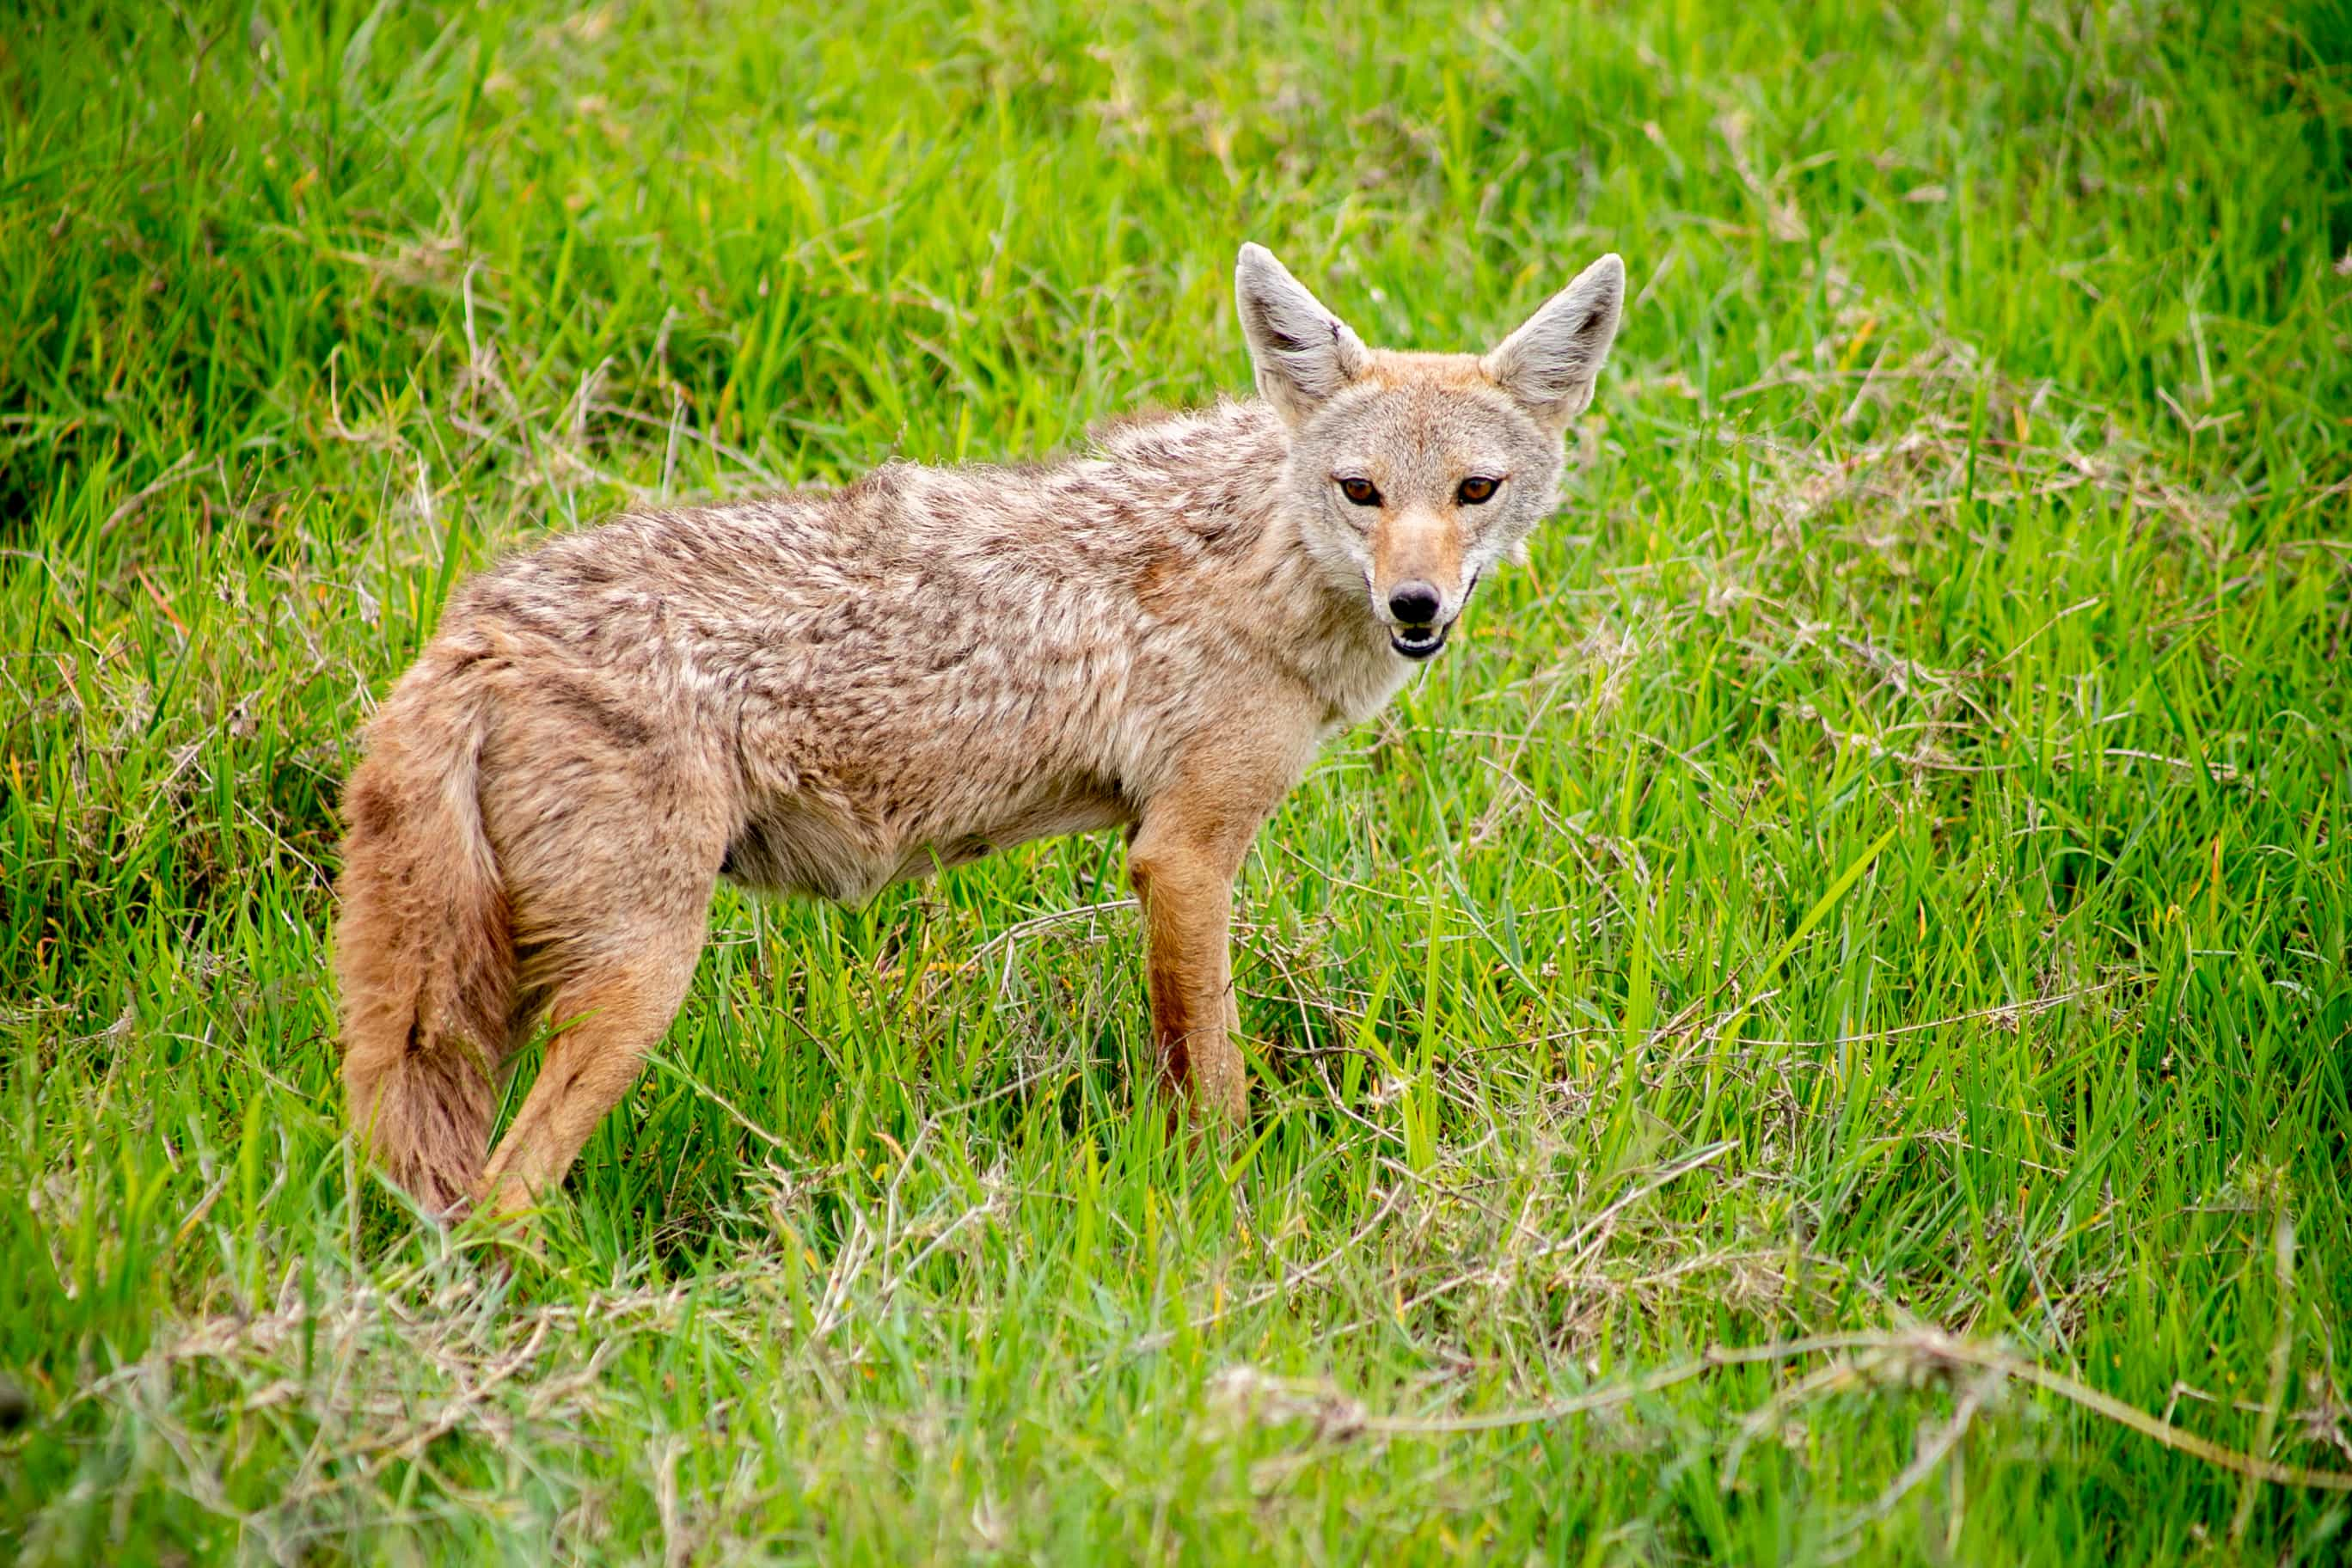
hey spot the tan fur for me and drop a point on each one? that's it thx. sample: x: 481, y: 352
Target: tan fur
x: 826, y: 693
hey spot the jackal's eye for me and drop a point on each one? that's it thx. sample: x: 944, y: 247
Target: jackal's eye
x: 1478, y: 489
x: 1360, y: 492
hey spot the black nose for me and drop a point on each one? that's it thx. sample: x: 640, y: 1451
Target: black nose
x: 1413, y: 604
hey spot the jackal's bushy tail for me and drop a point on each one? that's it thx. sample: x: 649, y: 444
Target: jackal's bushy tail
x: 423, y: 948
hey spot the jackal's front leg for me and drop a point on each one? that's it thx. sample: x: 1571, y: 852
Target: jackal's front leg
x: 1188, y: 901
x: 1183, y: 861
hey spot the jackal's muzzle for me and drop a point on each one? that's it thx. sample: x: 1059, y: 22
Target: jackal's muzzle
x: 1418, y: 642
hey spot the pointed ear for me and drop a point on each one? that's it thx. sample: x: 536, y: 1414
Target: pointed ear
x: 1550, y: 363
x: 1303, y: 353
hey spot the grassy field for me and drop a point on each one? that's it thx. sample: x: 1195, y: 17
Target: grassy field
x: 1820, y: 1030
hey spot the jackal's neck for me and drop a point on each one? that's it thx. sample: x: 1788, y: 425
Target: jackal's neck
x: 1225, y: 470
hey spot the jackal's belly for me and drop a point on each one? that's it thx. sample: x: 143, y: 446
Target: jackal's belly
x: 797, y: 846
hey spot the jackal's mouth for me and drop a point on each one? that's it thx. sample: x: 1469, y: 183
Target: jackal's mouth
x: 1418, y: 642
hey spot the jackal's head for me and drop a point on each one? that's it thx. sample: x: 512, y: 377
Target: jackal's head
x: 1413, y: 474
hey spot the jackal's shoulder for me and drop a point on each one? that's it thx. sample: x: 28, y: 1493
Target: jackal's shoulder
x: 1226, y: 432
x: 1139, y: 482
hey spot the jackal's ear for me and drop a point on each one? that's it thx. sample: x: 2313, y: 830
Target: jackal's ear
x: 1550, y: 363
x: 1302, y: 352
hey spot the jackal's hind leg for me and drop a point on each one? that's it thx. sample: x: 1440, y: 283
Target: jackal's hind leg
x: 605, y: 1021
x: 610, y: 816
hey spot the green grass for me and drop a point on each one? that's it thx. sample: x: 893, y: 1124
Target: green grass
x: 1887, y: 866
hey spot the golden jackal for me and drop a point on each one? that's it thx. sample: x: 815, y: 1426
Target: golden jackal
x: 824, y: 693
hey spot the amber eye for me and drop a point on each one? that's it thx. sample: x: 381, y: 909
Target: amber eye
x: 1477, y: 489
x: 1360, y: 491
